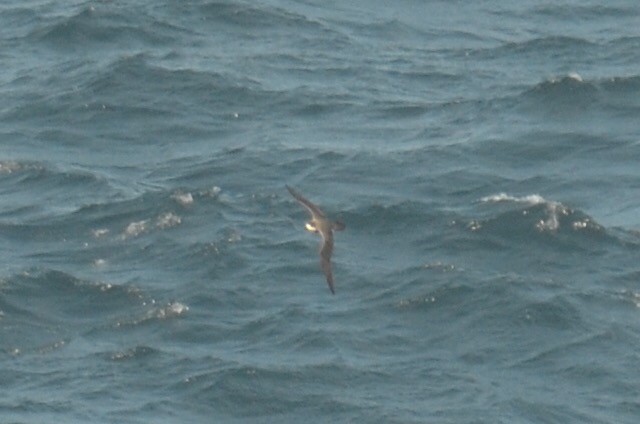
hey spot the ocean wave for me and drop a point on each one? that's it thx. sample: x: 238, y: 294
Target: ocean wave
x: 17, y: 20
x: 564, y: 92
x: 163, y: 221
x: 585, y: 11
x: 51, y: 310
x: 104, y: 24
x: 621, y: 94
x: 542, y: 46
x: 232, y: 384
x: 148, y: 211
x: 221, y: 94
x: 249, y: 16
x: 572, y: 94
x: 632, y: 296
x: 545, y: 216
x: 89, y: 95
x: 385, y: 29
x: 153, y: 313
x: 53, y: 192
x: 621, y: 85
x: 61, y: 294
x: 13, y: 166
x: 393, y: 216
x: 44, y: 310
x: 135, y: 353
x: 532, y: 199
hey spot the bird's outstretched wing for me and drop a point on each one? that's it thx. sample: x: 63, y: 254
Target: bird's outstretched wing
x: 325, y: 259
x: 325, y: 229
x: 313, y: 209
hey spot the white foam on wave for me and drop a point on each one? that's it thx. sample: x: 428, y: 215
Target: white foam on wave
x: 440, y: 266
x: 554, y: 209
x: 11, y: 166
x: 575, y: 76
x: 170, y: 310
x: 136, y: 228
x: 552, y: 223
x: 213, y: 191
x: 234, y: 236
x: 168, y: 220
x: 99, y: 263
x: 163, y: 221
x: 184, y: 199
x: 8, y: 167
x: 531, y: 199
x: 97, y: 233
x: 177, y: 308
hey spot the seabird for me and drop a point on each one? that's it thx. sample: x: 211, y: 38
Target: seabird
x: 320, y: 224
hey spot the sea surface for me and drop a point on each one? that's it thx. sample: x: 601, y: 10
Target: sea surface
x: 484, y: 156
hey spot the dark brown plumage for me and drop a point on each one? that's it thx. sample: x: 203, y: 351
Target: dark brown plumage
x: 321, y: 225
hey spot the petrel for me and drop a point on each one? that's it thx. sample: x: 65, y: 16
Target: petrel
x: 321, y: 225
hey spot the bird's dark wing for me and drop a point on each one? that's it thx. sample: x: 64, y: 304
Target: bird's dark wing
x: 325, y: 258
x: 313, y: 209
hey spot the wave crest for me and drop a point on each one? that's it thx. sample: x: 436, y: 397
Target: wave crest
x: 545, y: 216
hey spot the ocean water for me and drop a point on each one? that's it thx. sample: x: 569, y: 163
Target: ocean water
x: 483, y: 155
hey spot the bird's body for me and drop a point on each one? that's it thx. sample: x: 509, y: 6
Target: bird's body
x: 323, y: 226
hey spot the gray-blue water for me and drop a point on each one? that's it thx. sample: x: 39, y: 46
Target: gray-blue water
x: 483, y: 155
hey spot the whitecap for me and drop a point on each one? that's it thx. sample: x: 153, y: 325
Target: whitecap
x: 213, y: 191
x: 172, y: 309
x: 11, y: 166
x: 575, y: 76
x: 184, y: 199
x: 474, y: 225
x: 554, y: 209
x: 134, y: 229
x: 177, y: 308
x: 100, y: 232
x: 234, y: 237
x: 98, y: 263
x: 531, y: 199
x: 137, y: 351
x: 168, y: 220
x: 581, y: 225
x: 8, y: 167
x: 440, y: 266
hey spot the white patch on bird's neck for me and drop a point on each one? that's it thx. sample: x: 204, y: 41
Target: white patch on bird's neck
x: 310, y: 227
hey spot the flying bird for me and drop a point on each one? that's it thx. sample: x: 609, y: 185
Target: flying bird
x: 321, y: 225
